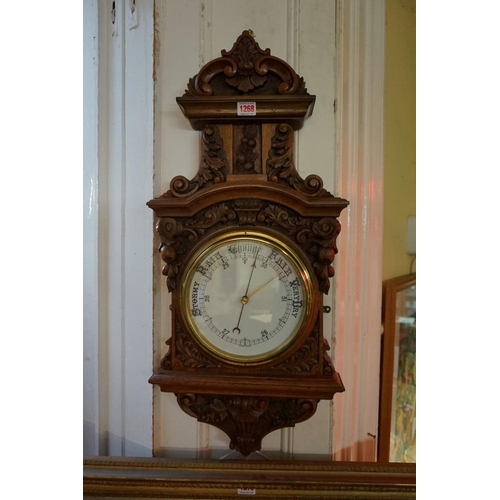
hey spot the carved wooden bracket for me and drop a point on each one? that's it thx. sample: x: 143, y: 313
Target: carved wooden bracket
x: 247, y: 419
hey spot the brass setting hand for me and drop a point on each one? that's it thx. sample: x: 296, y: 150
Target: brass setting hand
x: 260, y: 288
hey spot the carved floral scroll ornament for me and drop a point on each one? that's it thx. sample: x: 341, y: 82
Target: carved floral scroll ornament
x: 247, y: 154
x: 213, y: 167
x: 246, y: 67
x: 318, y: 237
x: 178, y: 237
x: 281, y: 168
x: 188, y: 355
x: 246, y: 419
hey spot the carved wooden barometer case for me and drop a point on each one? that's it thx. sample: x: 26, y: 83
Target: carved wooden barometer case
x: 248, y: 247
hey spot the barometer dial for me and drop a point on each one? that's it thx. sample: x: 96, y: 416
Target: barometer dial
x: 246, y: 297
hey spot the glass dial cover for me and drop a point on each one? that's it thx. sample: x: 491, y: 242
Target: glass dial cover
x: 246, y: 297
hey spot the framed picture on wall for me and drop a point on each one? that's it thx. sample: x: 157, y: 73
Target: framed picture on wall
x: 397, y: 422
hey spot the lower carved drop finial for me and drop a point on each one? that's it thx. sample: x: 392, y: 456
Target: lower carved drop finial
x: 247, y: 419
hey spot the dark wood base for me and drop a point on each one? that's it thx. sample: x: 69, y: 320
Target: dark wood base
x: 246, y: 419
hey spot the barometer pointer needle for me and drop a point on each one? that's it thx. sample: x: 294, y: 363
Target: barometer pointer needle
x: 244, y: 299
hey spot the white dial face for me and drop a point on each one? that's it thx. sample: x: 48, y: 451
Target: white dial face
x: 246, y: 297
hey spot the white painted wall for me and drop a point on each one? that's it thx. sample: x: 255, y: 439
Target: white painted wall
x: 90, y: 225
x: 118, y: 227
x: 338, y: 48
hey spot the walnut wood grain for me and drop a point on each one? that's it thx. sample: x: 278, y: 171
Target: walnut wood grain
x: 248, y: 385
x: 220, y: 110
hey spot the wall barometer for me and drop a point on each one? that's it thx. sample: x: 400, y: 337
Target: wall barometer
x: 248, y: 246
x: 246, y: 297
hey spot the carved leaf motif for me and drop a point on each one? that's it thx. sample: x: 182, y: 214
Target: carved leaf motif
x: 215, y: 215
x: 166, y: 362
x: 247, y: 210
x: 175, y: 237
x: 178, y: 237
x: 282, y: 412
x: 246, y: 52
x: 291, y: 83
x: 317, y: 236
x: 275, y: 215
x: 205, y: 408
x: 246, y: 419
x: 281, y: 168
x: 215, y: 411
x: 188, y: 354
x: 212, y: 170
x: 326, y: 231
x: 280, y: 158
x: 246, y: 155
x: 214, y: 157
x: 304, y: 360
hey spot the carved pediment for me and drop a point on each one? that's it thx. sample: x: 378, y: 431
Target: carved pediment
x: 246, y: 69
x: 246, y: 73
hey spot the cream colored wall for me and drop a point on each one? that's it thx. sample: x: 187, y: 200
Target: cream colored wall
x: 399, y: 131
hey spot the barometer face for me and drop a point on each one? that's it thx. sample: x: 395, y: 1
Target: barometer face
x: 246, y: 297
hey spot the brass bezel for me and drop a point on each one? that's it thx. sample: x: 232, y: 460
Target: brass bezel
x: 301, y: 331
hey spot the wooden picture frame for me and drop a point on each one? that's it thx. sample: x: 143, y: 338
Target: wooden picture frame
x: 122, y: 477
x: 397, y: 419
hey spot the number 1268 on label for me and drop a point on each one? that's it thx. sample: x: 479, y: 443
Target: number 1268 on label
x: 247, y: 109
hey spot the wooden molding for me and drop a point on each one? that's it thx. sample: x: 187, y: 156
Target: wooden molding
x: 227, y: 384
x: 201, y: 111
x: 112, y: 477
